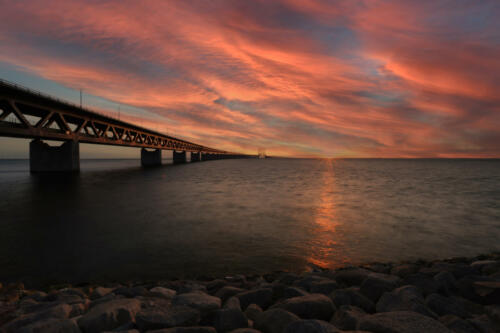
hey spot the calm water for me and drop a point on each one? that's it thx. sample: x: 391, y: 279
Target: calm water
x: 116, y: 221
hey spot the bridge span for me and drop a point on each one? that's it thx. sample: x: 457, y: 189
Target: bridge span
x: 25, y: 113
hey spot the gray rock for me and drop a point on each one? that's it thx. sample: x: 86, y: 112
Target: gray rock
x: 311, y: 326
x: 60, y: 311
x: 166, y: 317
x: 314, y: 306
x: 194, y: 329
x: 401, y: 322
x: 253, y: 311
x: 347, y: 317
x: 162, y: 292
x: 263, y: 297
x: 352, y: 296
x: 198, y: 300
x: 406, y: 298
x: 457, y: 324
x: 274, y: 320
x: 404, y: 270
x: 351, y: 276
x: 445, y: 305
x: 376, y: 284
x: 100, y: 292
x: 323, y: 287
x: 232, y: 303
x: 225, y: 292
x: 290, y: 292
x: 109, y: 315
x: 51, y: 325
x: 226, y: 320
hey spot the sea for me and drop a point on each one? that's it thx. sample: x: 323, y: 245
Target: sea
x: 117, y: 222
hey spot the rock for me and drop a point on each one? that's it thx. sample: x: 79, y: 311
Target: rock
x: 379, y: 268
x: 109, y: 315
x: 445, y: 282
x: 290, y: 292
x: 60, y: 311
x: 486, y: 266
x: 489, y: 291
x: 459, y: 270
x: 190, y: 287
x: 131, y: 292
x: 51, y: 325
x: 225, y: 292
x: 253, y: 311
x: 483, y: 324
x: 445, y: 306
x: 245, y: 330
x: 457, y: 324
x: 311, y: 326
x: 307, y: 281
x: 471, y: 288
x: 215, y: 285
x: 105, y: 299
x: 376, y: 284
x: 77, y: 310
x: 406, y: 298
x: 72, y: 291
x: 36, y: 295
x: 323, y: 287
x: 162, y: 292
x: 64, y: 298
x: 351, y: 276
x: 263, y: 297
x: 198, y: 300
x: 166, y: 317
x: 274, y: 320
x: 401, y: 322
x: 493, y: 312
x: 404, y: 270
x: 347, y: 317
x: 426, y: 284
x: 232, y: 303
x: 226, y: 320
x: 100, y: 292
x: 351, y: 296
x: 314, y: 306
x: 194, y: 329
x: 289, y: 278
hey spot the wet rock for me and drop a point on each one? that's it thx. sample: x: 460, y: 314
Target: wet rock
x: 445, y: 306
x: 457, y: 324
x: 194, y: 329
x: 60, y: 311
x: 311, y: 326
x: 166, y: 317
x: 274, y: 320
x: 352, y: 296
x: 253, y: 311
x: 483, y: 324
x: 379, y: 268
x: 289, y: 278
x: 215, y: 285
x: 109, y: 315
x: 191, y: 287
x: 245, y: 330
x: 290, y: 292
x: 445, y: 282
x: 72, y: 291
x: 225, y: 292
x: 232, y: 303
x: 351, y: 276
x: 314, y: 306
x: 36, y: 295
x: 263, y: 297
x: 162, y: 292
x: 131, y: 292
x: 404, y: 270
x: 459, y: 270
x: 469, y: 288
x: 406, y: 298
x: 488, y: 291
x: 425, y: 283
x: 226, y: 320
x: 105, y: 299
x: 77, y: 310
x: 51, y: 325
x: 376, y: 284
x: 347, y: 317
x: 100, y: 292
x: 401, y: 322
x: 486, y: 266
x: 323, y: 287
x: 198, y: 300
x: 307, y: 281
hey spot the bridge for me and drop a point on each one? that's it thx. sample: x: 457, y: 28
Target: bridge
x: 25, y: 113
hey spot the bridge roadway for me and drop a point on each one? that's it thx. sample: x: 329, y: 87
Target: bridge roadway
x: 26, y: 113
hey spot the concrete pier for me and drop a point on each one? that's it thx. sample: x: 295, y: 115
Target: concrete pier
x: 150, y: 158
x: 179, y: 157
x: 195, y: 157
x: 45, y: 158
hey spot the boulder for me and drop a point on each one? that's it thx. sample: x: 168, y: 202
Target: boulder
x: 226, y: 320
x: 162, y: 292
x: 351, y: 276
x: 193, y: 329
x: 232, y: 303
x: 425, y: 283
x: 245, y: 330
x: 51, y: 325
x: 198, y: 300
x: 109, y: 315
x: 60, y: 311
x: 288, y: 278
x: 274, y: 320
x: 131, y: 292
x: 486, y: 266
x: 290, y: 292
x: 376, y: 284
x: 105, y: 299
x: 483, y: 324
x: 100, y: 292
x: 347, y: 317
x: 401, y: 322
x: 253, y: 311
x: 445, y: 282
x: 225, y: 292
x: 307, y: 281
x: 215, y: 285
x: 311, y: 326
x: 314, y: 306
x: 323, y: 287
x: 352, y: 296
x: 406, y: 298
x: 457, y: 324
x: 263, y: 297
x: 445, y: 306
x: 165, y: 317
x: 404, y: 270
x: 459, y: 270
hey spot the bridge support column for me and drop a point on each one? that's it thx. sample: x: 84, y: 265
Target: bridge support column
x: 150, y: 158
x: 195, y: 157
x: 45, y: 158
x: 179, y: 157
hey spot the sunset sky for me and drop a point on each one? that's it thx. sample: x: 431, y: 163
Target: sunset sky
x: 300, y: 78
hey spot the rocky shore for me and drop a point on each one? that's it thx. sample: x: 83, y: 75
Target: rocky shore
x: 455, y: 295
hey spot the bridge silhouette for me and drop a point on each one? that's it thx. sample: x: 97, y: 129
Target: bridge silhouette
x: 25, y: 113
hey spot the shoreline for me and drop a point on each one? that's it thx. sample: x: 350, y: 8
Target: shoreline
x: 450, y: 295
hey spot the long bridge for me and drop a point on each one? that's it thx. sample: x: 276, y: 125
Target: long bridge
x: 25, y: 113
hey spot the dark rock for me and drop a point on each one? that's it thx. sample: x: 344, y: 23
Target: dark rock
x: 262, y: 297
x: 100, y: 292
x: 404, y: 270
x: 232, y: 303
x: 307, y: 281
x: 274, y: 320
x: 194, y: 329
x: 351, y: 276
x: 445, y: 282
x: 225, y: 292
x: 426, y: 284
x: 198, y: 300
x: 77, y: 310
x: 323, y: 287
x: 457, y: 324
x: 483, y: 324
x: 215, y: 285
x: 131, y: 292
x: 379, y: 268
x: 109, y: 315
x: 226, y: 320
x: 469, y: 288
x: 314, y: 306
x: 105, y: 299
x: 311, y: 326
x: 288, y: 278
x: 493, y: 312
x: 162, y: 292
x: 60, y: 311
x: 376, y: 284
x: 290, y: 292
x: 489, y: 291
x: 165, y: 317
x: 347, y: 317
x: 486, y: 266
x: 191, y: 287
x: 406, y: 298
x: 51, y: 325
x: 401, y: 322
x: 253, y: 311
x: 459, y: 270
x: 245, y: 330
x: 352, y: 296
x: 36, y: 295
x: 445, y: 306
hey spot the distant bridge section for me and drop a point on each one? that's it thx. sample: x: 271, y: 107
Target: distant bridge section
x: 29, y: 114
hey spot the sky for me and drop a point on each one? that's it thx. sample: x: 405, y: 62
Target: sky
x: 316, y: 78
